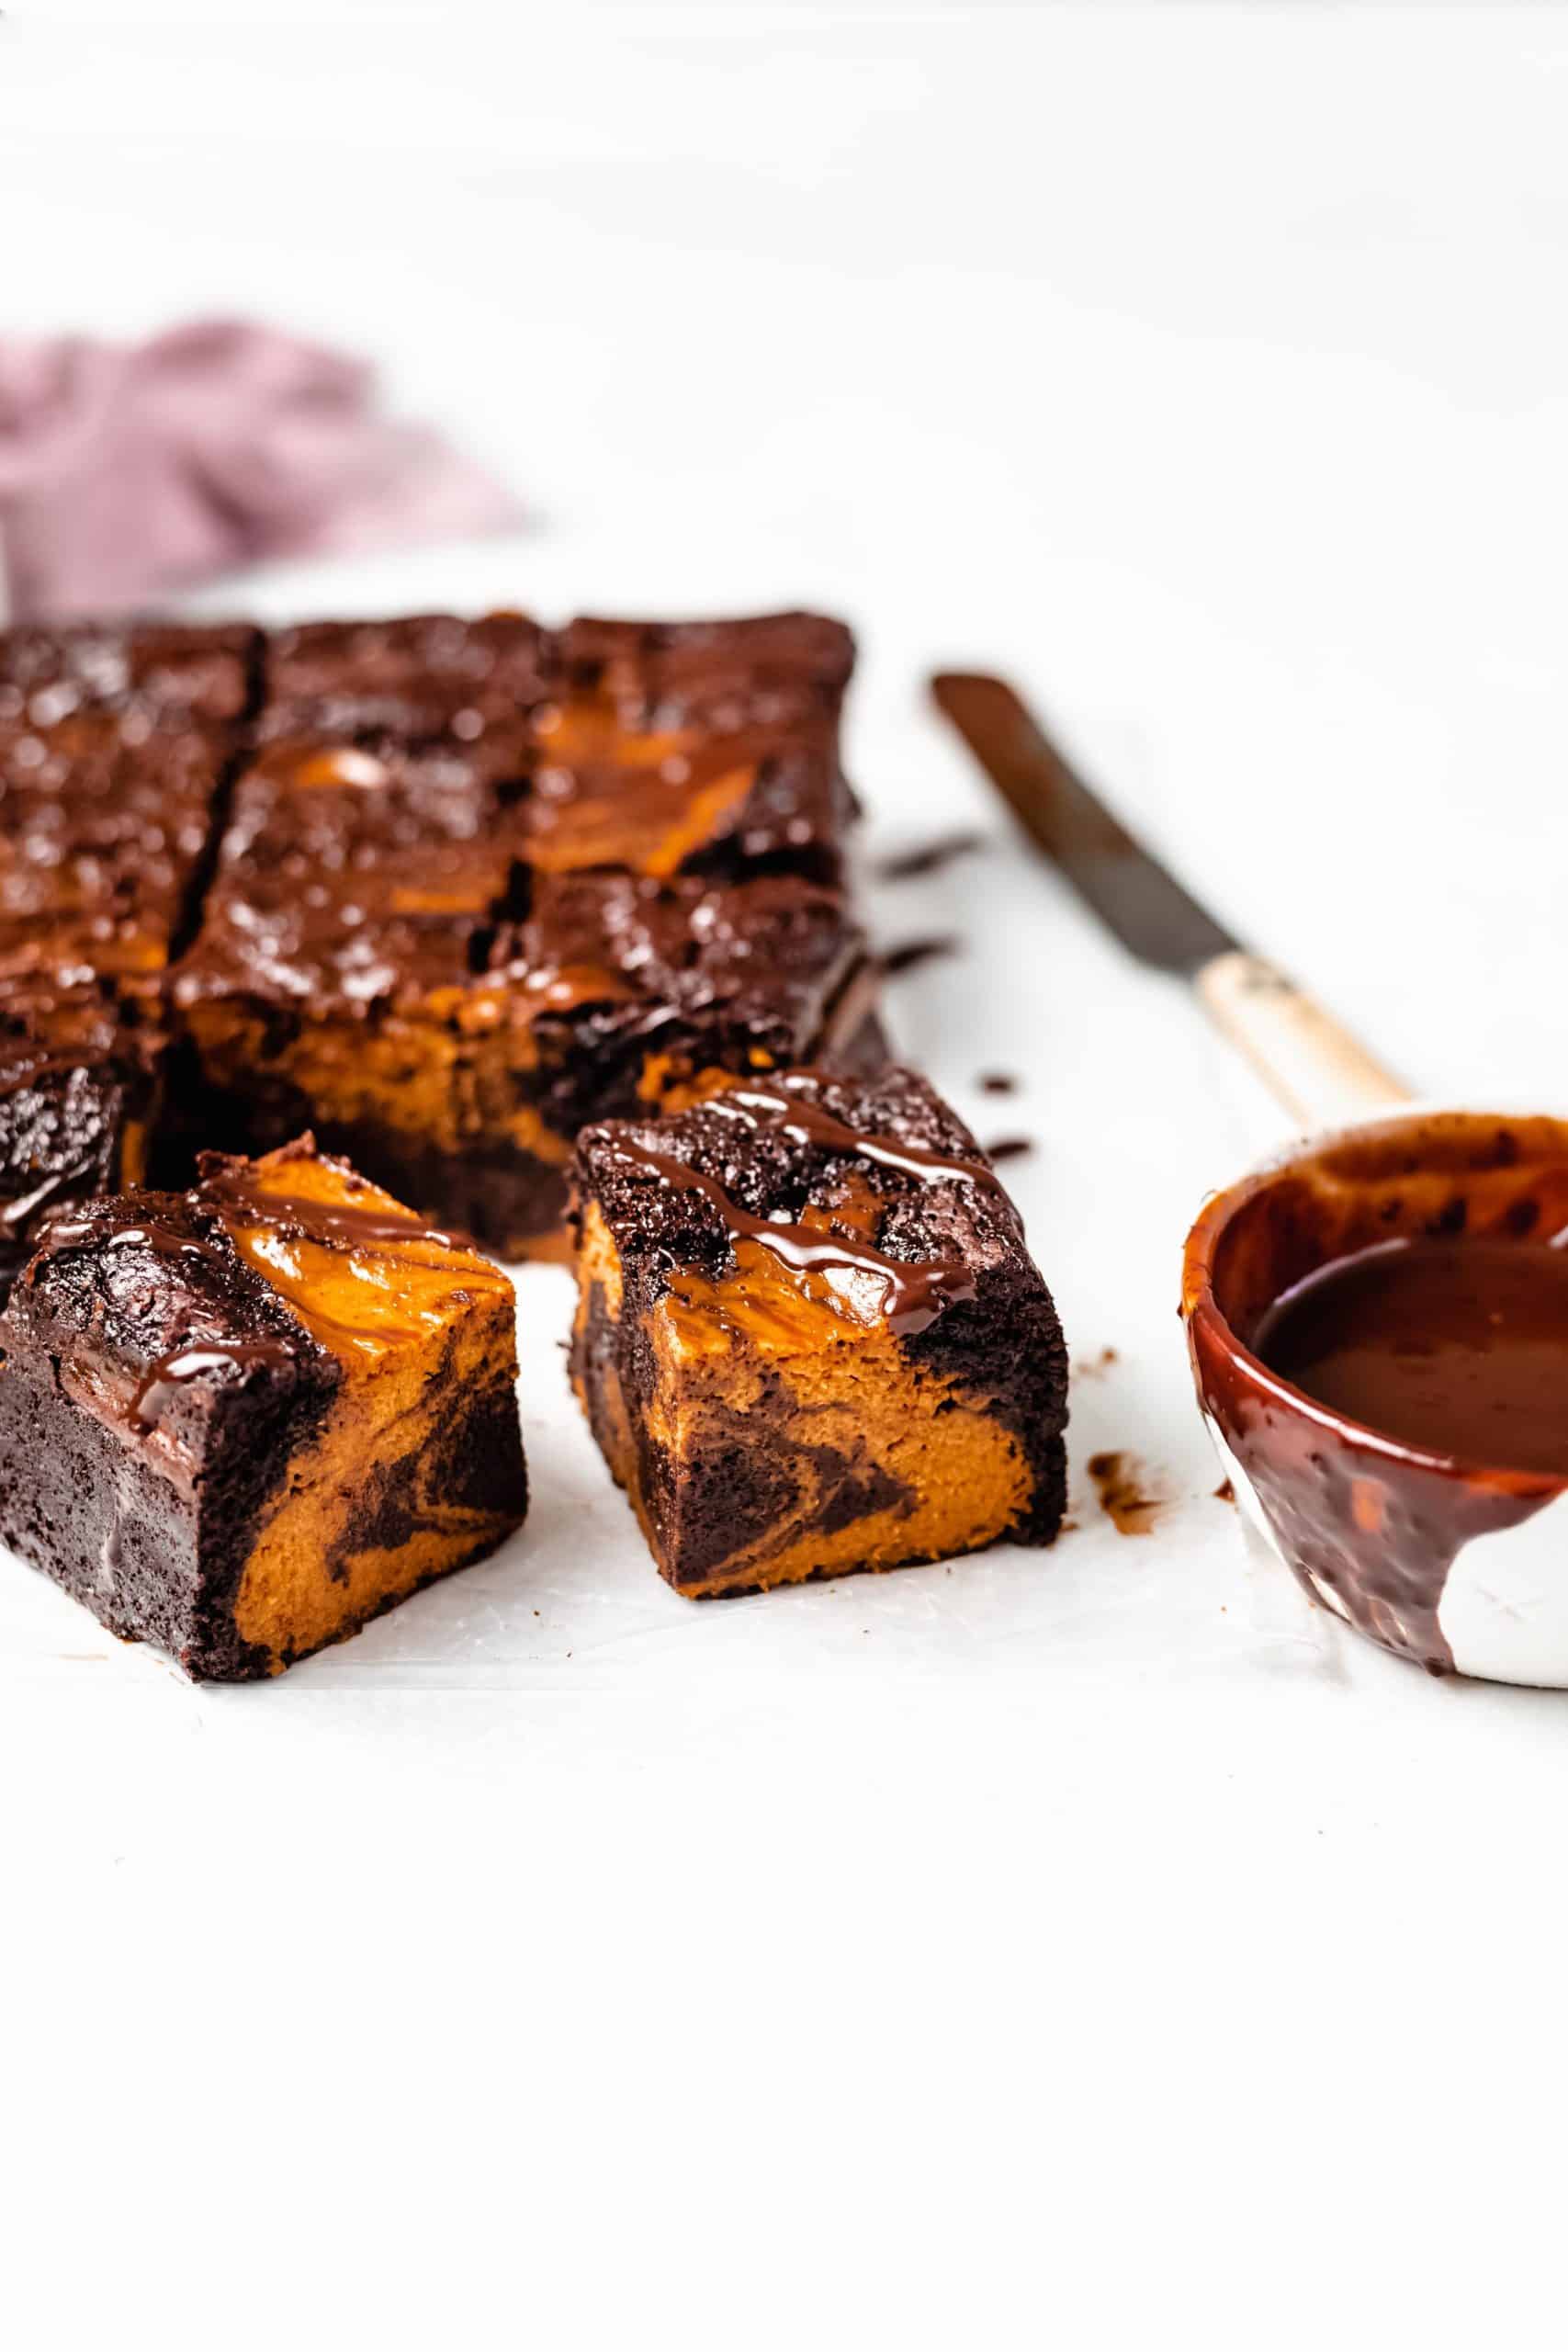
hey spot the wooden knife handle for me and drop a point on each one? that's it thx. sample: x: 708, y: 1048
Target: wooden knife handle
x: 1310, y: 1065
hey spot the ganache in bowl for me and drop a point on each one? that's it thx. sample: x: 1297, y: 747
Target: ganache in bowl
x: 1428, y: 1525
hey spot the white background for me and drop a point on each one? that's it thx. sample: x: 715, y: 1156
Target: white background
x: 1088, y: 1948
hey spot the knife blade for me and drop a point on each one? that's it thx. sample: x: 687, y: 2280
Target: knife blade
x: 1131, y: 892
x: 1315, y: 1068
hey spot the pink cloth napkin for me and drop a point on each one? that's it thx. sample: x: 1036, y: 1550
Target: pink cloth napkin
x: 130, y: 471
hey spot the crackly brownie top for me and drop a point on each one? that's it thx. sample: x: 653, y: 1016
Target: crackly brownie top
x: 97, y: 847
x: 869, y: 1181
x: 132, y: 739
x: 362, y: 895
x: 48, y: 675
x: 347, y: 811
x: 769, y: 952
x: 718, y: 674
x: 76, y: 820
x: 353, y: 874
x: 427, y: 674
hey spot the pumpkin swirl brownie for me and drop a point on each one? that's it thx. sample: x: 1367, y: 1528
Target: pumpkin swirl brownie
x: 423, y: 677
x: 239, y: 1421
x: 695, y: 747
x: 718, y: 674
x: 105, y: 822
x: 110, y: 786
x: 375, y: 964
x: 809, y: 1335
x: 661, y: 747
x: 658, y: 748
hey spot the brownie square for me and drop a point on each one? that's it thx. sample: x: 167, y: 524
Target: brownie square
x: 238, y: 1422
x: 695, y: 747
x: 699, y: 747
x: 643, y: 993
x: 810, y: 1338
x: 775, y: 669
x: 335, y: 980
x: 429, y: 674
x: 684, y: 798
x: 167, y: 668
x: 105, y: 822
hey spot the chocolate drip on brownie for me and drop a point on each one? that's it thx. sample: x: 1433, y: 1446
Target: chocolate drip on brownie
x: 914, y: 1295
x: 173, y: 1371
x: 231, y: 1185
x: 795, y: 1115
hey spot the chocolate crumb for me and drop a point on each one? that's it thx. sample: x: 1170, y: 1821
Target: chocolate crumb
x: 914, y: 952
x: 998, y: 1081
x: 1120, y: 1483
x: 1225, y: 1492
x: 928, y: 857
x: 1010, y: 1147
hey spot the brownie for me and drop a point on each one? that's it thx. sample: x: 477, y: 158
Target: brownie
x: 648, y: 992
x: 685, y: 799
x: 810, y: 1338
x: 105, y: 824
x: 777, y: 668
x: 159, y: 668
x: 78, y: 1092
x: 376, y: 964
x: 441, y: 890
x: 697, y: 747
x: 106, y: 817
x: 425, y: 676
x: 239, y: 1421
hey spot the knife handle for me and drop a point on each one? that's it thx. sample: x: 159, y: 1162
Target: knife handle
x: 1310, y: 1065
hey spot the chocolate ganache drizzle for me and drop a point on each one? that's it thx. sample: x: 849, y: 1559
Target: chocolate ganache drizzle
x: 334, y: 1225
x: 232, y: 1190
x: 914, y: 1292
